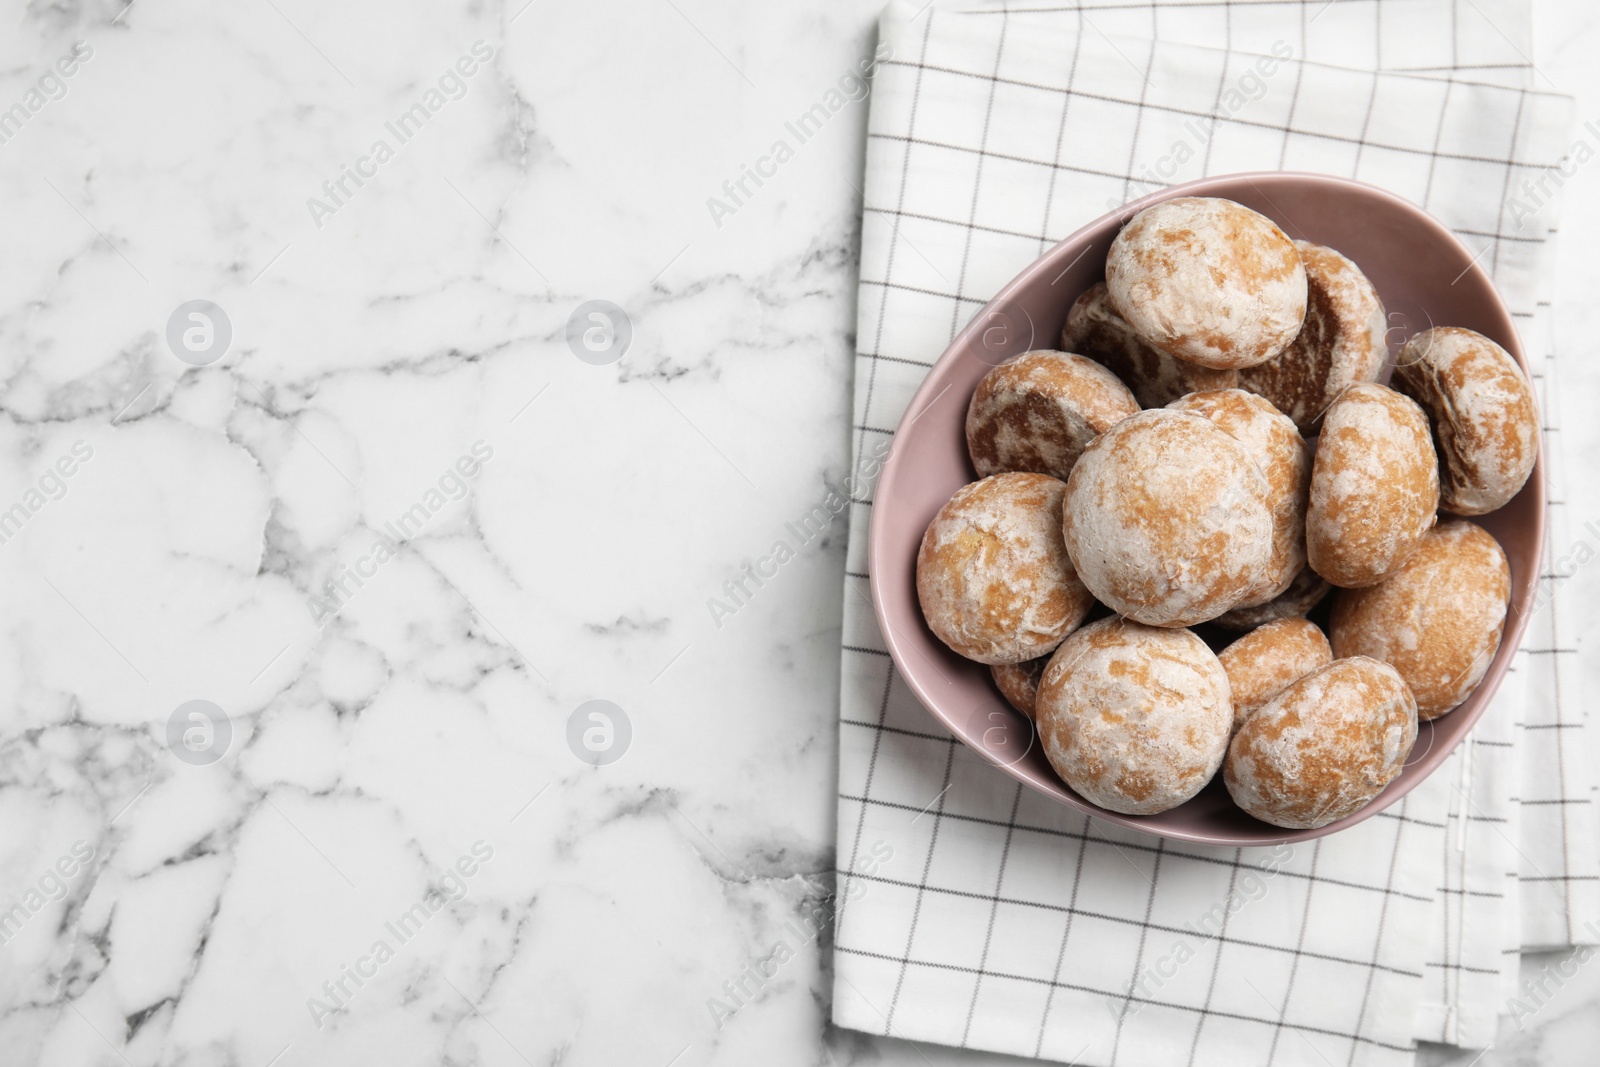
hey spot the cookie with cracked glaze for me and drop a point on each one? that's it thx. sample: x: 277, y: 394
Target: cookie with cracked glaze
x: 1209, y: 281
x: 1038, y: 411
x: 1438, y: 620
x: 1134, y: 718
x: 1324, y: 747
x: 1374, y: 486
x: 1485, y: 421
x: 1168, y: 519
x: 993, y: 576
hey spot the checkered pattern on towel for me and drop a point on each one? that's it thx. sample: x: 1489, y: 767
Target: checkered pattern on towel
x: 975, y: 912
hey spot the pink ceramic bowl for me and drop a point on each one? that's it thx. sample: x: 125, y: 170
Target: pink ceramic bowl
x: 1426, y: 278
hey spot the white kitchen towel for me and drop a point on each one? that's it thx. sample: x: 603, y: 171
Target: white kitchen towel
x: 975, y: 913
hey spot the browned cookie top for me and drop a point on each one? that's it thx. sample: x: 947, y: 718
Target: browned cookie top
x: 1209, y: 281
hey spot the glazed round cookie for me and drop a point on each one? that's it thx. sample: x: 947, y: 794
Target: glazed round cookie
x: 1168, y: 520
x: 1437, y: 620
x: 993, y: 575
x: 1094, y: 329
x: 1208, y: 281
x: 1324, y: 747
x: 1342, y: 342
x: 1038, y: 411
x: 1284, y: 457
x: 1303, y: 594
x: 1019, y: 683
x: 1269, y: 659
x: 1485, y: 421
x: 1134, y: 718
x: 1374, y: 486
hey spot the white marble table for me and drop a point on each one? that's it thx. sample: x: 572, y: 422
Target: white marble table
x: 401, y: 531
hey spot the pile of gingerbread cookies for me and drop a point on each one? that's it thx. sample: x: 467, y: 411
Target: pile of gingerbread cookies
x: 1158, y: 468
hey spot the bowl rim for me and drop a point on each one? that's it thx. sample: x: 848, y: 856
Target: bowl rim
x: 1516, y: 620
